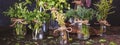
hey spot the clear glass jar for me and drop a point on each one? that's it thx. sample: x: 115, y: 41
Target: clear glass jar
x: 84, y: 32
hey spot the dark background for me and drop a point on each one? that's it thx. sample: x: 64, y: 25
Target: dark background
x: 113, y: 19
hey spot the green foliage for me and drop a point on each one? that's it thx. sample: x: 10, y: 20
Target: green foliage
x: 17, y: 11
x: 112, y: 43
x: 84, y: 13
x: 102, y: 40
x: 71, y: 13
x: 85, y: 30
x: 60, y: 19
x: 81, y: 13
x: 103, y: 8
x: 56, y: 7
x: 19, y: 29
x: 48, y: 4
x: 20, y: 11
x: 59, y: 16
x: 36, y: 17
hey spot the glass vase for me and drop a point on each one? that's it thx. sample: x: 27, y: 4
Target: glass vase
x: 84, y: 32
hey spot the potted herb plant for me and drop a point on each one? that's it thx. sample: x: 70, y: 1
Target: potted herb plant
x: 82, y: 16
x: 85, y: 15
x: 58, y: 16
x: 56, y: 8
x: 103, y: 8
x: 18, y: 16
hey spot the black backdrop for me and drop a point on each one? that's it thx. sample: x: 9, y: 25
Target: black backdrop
x: 114, y: 19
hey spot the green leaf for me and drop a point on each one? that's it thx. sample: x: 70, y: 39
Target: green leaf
x: 112, y: 43
x: 103, y: 8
